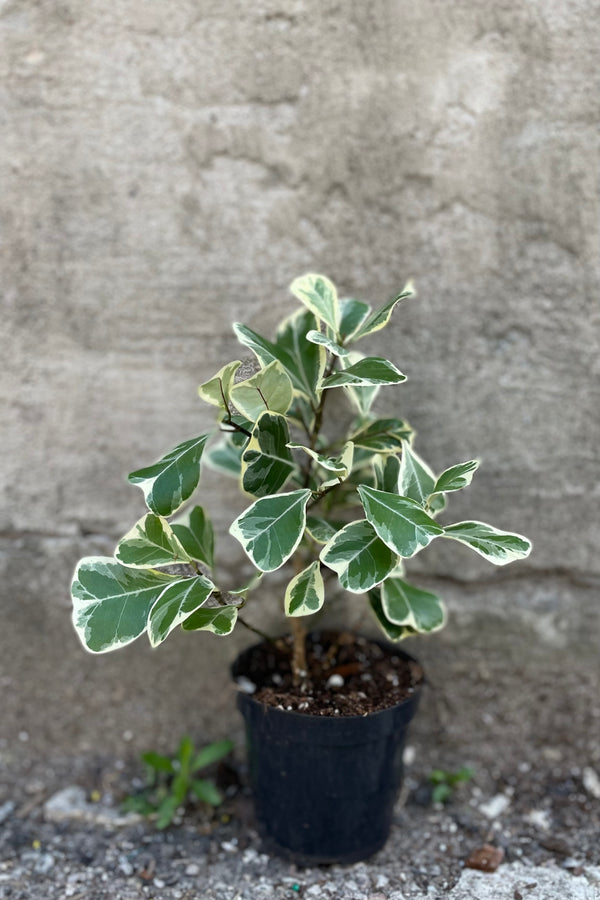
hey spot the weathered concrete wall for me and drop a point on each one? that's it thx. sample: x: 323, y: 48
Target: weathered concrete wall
x: 167, y: 168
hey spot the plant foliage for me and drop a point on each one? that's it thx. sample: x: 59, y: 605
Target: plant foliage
x: 356, y: 504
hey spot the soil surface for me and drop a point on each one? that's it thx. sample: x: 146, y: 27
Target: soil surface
x: 347, y: 675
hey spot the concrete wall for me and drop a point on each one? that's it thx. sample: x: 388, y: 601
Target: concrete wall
x: 167, y: 168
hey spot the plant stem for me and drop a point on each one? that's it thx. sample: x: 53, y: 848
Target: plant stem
x: 299, y: 663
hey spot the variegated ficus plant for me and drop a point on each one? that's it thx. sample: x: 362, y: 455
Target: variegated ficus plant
x: 353, y: 506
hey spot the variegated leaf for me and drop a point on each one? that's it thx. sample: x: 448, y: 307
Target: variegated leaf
x: 321, y: 530
x: 267, y: 462
x: 271, y: 529
x: 320, y: 296
x: 359, y: 557
x: 498, y: 547
x: 409, y: 606
x: 195, y: 533
x: 270, y: 389
x: 387, y: 473
x: 217, y: 389
x: 401, y: 523
x: 317, y: 337
x: 352, y: 315
x: 249, y: 585
x: 176, y: 603
x: 391, y: 631
x: 111, y: 602
x: 381, y: 316
x: 417, y: 480
x: 151, y: 542
x: 305, y: 594
x: 309, y: 359
x: 457, y: 477
x: 226, y: 456
x: 266, y: 351
x: 361, y: 398
x: 383, y: 435
x: 168, y: 483
x: 341, y: 464
x: 218, y: 619
x: 372, y: 370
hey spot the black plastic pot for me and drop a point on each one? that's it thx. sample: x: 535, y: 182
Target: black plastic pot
x: 324, y: 787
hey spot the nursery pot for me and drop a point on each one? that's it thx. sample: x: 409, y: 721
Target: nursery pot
x: 324, y: 787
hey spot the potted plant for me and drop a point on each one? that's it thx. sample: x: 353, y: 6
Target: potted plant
x: 345, y: 504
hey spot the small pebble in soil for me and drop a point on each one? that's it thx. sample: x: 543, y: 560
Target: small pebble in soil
x: 335, y: 681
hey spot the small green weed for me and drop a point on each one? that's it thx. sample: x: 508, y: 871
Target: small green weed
x: 445, y: 782
x: 172, y: 781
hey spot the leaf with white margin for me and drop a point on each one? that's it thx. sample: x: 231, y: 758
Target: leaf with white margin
x: 267, y: 462
x: 317, y: 337
x: 226, y: 456
x: 417, y: 481
x: 360, y: 397
x: 321, y: 530
x: 352, y: 315
x: 271, y: 528
x: 308, y: 358
x: 151, y: 542
x: 249, y: 585
x: 269, y: 389
x: 305, y: 594
x: 217, y: 389
x: 176, y: 604
x: 498, y: 547
x: 319, y: 295
x: 218, y: 619
x: 359, y: 557
x: 341, y: 464
x: 457, y: 477
x: 372, y: 370
x: 346, y: 459
x: 266, y: 351
x: 404, y: 604
x: 383, y: 435
x: 400, y: 522
x: 168, y: 483
x: 195, y: 533
x: 387, y: 473
x: 381, y: 316
x: 111, y: 602
x: 391, y: 631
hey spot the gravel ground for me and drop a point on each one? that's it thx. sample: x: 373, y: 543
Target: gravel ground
x: 77, y: 844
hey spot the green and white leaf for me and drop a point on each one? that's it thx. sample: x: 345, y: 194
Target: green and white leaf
x: 317, y: 337
x: 266, y: 351
x: 372, y: 370
x: 217, y: 389
x: 387, y: 473
x: 271, y: 528
x: 151, y: 542
x: 308, y: 359
x: 319, y: 295
x: 352, y: 315
x: 359, y: 557
x: 176, y: 603
x: 383, y: 435
x: 111, y: 602
x: 195, y: 533
x: 218, y: 619
x: 226, y: 456
x: 457, y: 477
x: 248, y: 585
x: 417, y: 480
x: 400, y: 522
x: 321, y: 530
x: 168, y: 483
x: 267, y: 462
x: 381, y: 316
x: 305, y: 594
x: 391, y: 631
x: 270, y: 389
x: 341, y: 464
x: 404, y: 604
x: 360, y: 397
x: 498, y: 547
x: 345, y: 460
